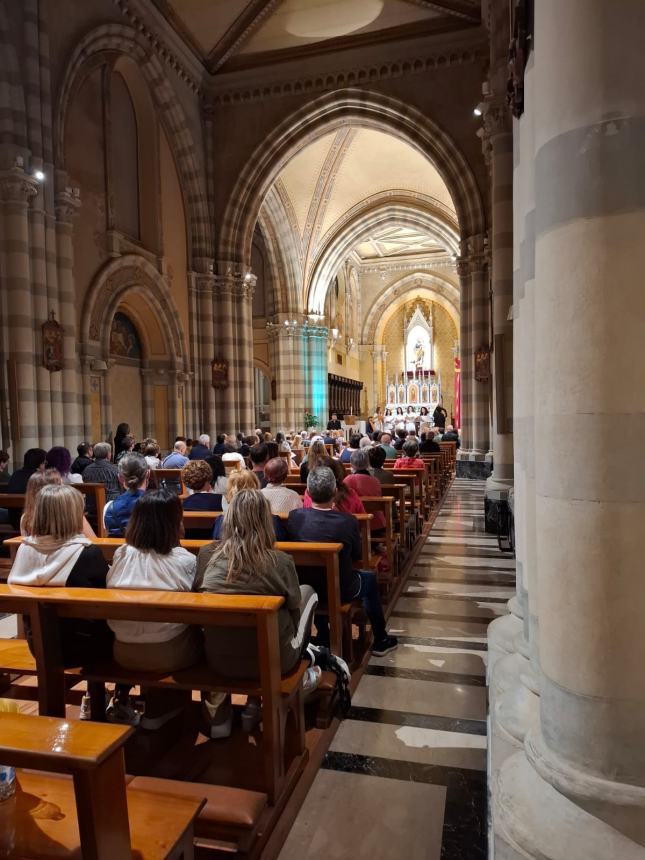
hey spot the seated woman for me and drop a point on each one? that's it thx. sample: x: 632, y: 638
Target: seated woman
x: 57, y: 554
x: 365, y: 484
x: 347, y: 500
x: 219, y: 474
x: 281, y: 499
x: 152, y: 559
x: 34, y: 485
x: 246, y: 480
x: 315, y: 453
x: 134, y: 474
x: 244, y: 562
x: 60, y: 459
x: 410, y: 458
x: 197, y: 476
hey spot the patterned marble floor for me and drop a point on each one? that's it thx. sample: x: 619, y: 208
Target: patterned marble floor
x: 405, y: 775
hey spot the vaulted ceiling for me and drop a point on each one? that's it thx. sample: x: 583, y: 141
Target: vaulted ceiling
x: 231, y: 34
x: 361, y: 193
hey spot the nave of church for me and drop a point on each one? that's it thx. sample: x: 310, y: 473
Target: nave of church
x: 321, y: 398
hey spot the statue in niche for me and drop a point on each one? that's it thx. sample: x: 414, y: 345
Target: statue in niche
x: 419, y: 355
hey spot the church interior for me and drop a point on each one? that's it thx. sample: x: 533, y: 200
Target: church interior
x: 328, y: 297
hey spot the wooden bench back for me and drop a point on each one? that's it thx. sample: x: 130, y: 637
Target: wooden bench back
x: 322, y: 555
x: 171, y: 476
x: 94, y: 491
x: 48, y: 607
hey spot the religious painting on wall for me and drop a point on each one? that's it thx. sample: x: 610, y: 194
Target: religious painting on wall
x: 482, y: 364
x: 124, y: 337
x: 52, y: 344
x: 219, y: 372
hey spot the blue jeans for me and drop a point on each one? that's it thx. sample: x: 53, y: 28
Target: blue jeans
x: 368, y: 593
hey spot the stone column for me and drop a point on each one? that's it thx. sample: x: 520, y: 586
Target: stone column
x: 245, y: 344
x: 578, y: 788
x: 17, y: 188
x: 465, y: 350
x: 498, y: 132
x: 204, y: 415
x: 379, y: 355
x: 477, y: 399
x: 147, y: 374
x: 315, y: 340
x: 233, y: 327
x: 288, y: 361
x: 67, y: 205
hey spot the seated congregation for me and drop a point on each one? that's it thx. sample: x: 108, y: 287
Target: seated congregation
x: 231, y: 593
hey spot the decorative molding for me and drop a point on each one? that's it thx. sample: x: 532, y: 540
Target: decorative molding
x: 457, y: 8
x: 67, y: 203
x: 348, y: 77
x: 519, y: 50
x: 248, y: 22
x: 159, y: 45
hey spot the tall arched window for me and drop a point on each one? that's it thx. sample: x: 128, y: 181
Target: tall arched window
x: 124, y: 158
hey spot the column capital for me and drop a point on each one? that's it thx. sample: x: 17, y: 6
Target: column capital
x: 283, y: 326
x: 67, y: 203
x: 235, y: 284
x: 17, y: 186
x: 496, y: 118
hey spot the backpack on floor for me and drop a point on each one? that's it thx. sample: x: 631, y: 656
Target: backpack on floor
x: 328, y: 662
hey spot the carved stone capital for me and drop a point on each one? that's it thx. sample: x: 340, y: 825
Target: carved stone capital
x: 67, y: 204
x: 16, y: 186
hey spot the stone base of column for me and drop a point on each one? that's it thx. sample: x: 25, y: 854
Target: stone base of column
x: 532, y: 819
x: 502, y: 635
x: 471, y: 464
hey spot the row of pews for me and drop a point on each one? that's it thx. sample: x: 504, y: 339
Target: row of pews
x: 96, y: 807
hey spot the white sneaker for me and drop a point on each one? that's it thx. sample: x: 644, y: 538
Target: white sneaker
x: 311, y: 679
x: 86, y: 708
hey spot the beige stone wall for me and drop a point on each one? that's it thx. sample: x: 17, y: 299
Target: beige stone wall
x: 445, y: 334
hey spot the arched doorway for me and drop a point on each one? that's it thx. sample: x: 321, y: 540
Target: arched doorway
x: 125, y: 375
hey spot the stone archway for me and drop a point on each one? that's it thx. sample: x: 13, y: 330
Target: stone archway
x: 331, y: 111
x: 133, y: 285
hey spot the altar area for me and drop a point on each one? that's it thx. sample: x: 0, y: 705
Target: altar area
x: 417, y: 384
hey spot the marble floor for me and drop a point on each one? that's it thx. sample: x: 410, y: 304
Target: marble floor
x: 405, y: 776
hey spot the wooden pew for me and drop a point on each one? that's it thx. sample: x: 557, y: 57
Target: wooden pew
x: 280, y: 695
x: 171, y: 476
x: 384, y: 504
x: 322, y: 555
x: 97, y: 817
x: 94, y: 491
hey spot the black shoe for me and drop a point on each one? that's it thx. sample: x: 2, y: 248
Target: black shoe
x: 387, y: 644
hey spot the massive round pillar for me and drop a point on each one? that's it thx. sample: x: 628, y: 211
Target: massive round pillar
x: 578, y: 788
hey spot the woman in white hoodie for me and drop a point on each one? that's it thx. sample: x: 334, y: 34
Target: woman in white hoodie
x: 57, y: 554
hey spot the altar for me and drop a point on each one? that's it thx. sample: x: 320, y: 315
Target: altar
x: 417, y: 384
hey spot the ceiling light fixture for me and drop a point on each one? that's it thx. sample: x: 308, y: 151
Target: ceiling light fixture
x: 39, y: 176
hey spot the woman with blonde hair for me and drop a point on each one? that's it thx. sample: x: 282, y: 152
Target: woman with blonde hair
x: 57, y: 554
x: 245, y: 562
x: 34, y: 485
x: 238, y: 481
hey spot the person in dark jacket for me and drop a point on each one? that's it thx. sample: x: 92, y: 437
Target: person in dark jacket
x: 220, y: 444
x: 321, y: 523
x: 428, y: 445
x: 439, y: 416
x: 201, y: 449
x: 451, y: 435
x: 84, y: 459
x: 33, y: 461
x: 122, y: 431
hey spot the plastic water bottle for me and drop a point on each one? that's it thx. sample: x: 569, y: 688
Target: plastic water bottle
x: 7, y: 782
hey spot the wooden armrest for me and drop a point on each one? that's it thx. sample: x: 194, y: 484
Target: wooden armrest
x: 61, y: 746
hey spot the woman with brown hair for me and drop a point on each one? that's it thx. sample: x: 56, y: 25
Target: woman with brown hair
x: 152, y: 559
x: 315, y: 455
x: 245, y: 562
x: 347, y: 500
